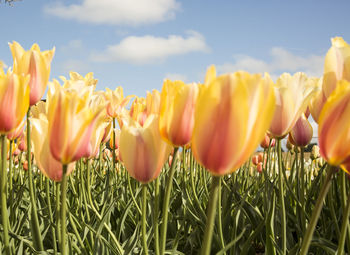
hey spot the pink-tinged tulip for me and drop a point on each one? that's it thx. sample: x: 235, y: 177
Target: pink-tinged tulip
x: 317, y: 102
x: 71, y: 122
x: 334, y: 126
x: 337, y: 65
x: 22, y: 142
x: 107, y: 132
x: 17, y: 132
x: 116, y: 101
x: 232, y: 114
x: 142, y: 149
x: 35, y: 63
x: 293, y: 94
x: 48, y: 165
x: 14, y: 100
x: 176, y: 115
x: 302, y: 132
x: 138, y: 111
x: 267, y: 142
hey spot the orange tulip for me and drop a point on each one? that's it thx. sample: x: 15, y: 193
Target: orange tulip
x: 142, y: 149
x: 35, y: 63
x: 334, y: 126
x: 71, y: 122
x: 267, y: 142
x: 293, y: 94
x: 232, y: 115
x: 176, y: 116
x: 14, y: 100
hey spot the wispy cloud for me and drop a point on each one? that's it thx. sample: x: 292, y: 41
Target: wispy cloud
x: 147, y: 49
x: 116, y: 12
x: 281, y: 60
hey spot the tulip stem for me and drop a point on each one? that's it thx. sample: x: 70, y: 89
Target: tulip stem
x: 281, y: 190
x: 302, y: 190
x: 316, y: 211
x: 211, y: 210
x: 48, y: 200
x: 168, y: 186
x: 144, y: 211
x: 4, y: 213
x: 222, y: 241
x: 344, y: 228
x: 156, y: 216
x: 63, y: 209
x: 37, y: 240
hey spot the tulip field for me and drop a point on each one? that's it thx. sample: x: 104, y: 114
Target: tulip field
x: 195, y: 168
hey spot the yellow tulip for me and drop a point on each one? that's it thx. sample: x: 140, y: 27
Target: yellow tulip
x: 35, y: 63
x: 176, y: 115
x: 78, y: 80
x: 48, y: 165
x: 14, y: 100
x: 116, y: 101
x: 142, y: 149
x: 334, y: 126
x: 152, y: 102
x: 71, y: 122
x: 138, y: 110
x: 317, y: 102
x: 293, y: 94
x: 232, y: 114
x: 337, y: 65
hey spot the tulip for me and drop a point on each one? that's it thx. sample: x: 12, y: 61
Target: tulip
x: 14, y: 100
x: 79, y: 81
x: 48, y: 165
x: 176, y: 116
x: 35, y: 63
x: 302, y: 132
x: 71, y: 122
x: 138, y: 111
x: 317, y: 101
x: 116, y: 101
x: 142, y: 149
x: 293, y: 94
x: 232, y: 115
x: 152, y: 102
x: 267, y: 142
x: 334, y: 126
x: 114, y: 144
x: 107, y: 132
x: 337, y: 65
x: 17, y: 132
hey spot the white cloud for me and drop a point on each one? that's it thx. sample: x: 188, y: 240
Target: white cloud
x: 147, y: 49
x: 116, y: 12
x: 281, y: 60
x: 176, y: 76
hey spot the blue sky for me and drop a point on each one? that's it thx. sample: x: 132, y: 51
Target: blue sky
x: 138, y: 43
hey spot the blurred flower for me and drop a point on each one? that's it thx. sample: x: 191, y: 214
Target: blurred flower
x: 142, y: 150
x: 114, y: 145
x: 317, y: 101
x: 267, y: 142
x: 176, y: 116
x: 78, y: 80
x: 232, y: 114
x: 35, y: 63
x: 14, y: 100
x: 337, y: 65
x: 334, y: 126
x: 16, y: 133
x: 293, y: 94
x: 302, y: 132
x: 116, y: 101
x: 315, y: 152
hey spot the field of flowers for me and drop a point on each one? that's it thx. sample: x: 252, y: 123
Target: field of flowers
x: 175, y: 172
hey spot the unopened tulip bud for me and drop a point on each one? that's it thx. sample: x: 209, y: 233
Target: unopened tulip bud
x: 25, y: 165
x: 259, y: 167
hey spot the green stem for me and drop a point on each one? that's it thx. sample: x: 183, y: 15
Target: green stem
x: 222, y: 241
x: 316, y: 211
x: 155, y: 217
x: 48, y: 200
x: 168, y: 186
x: 302, y: 190
x: 63, y: 209
x: 144, y: 211
x: 37, y: 239
x: 281, y: 190
x: 4, y: 213
x: 344, y: 228
x: 208, y: 233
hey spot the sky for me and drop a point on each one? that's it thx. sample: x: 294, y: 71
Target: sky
x: 136, y: 44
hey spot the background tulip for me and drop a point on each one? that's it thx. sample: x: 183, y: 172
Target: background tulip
x: 176, y: 116
x: 35, y: 63
x: 142, y: 149
x: 302, y: 131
